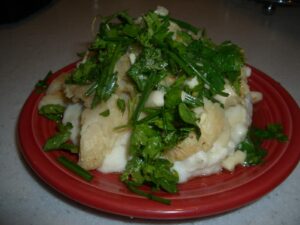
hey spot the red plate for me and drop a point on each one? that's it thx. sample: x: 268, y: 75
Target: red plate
x: 197, y: 198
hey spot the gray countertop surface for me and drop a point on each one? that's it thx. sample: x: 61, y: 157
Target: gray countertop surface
x: 50, y: 39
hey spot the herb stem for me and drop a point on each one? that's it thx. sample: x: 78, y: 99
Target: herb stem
x: 151, y: 83
x: 150, y: 196
x: 78, y: 170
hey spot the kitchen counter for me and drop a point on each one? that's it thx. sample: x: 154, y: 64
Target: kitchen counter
x: 50, y: 39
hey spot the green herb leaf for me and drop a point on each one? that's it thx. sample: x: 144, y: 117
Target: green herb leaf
x: 272, y: 131
x: 255, y: 154
x: 148, y: 63
x: 42, y: 85
x: 106, y: 84
x: 133, y: 171
x: 186, y: 114
x: 58, y: 141
x: 173, y: 97
x: 121, y: 104
x: 70, y: 147
x: 157, y: 171
x: 52, y: 111
x: 140, y: 138
x: 105, y: 113
x: 85, y: 73
x: 153, y: 80
x: 156, y: 29
x: 255, y: 137
x: 229, y: 59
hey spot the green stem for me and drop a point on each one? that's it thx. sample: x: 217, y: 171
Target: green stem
x: 75, y: 168
x: 137, y: 191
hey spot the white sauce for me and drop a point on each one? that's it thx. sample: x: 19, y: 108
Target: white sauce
x: 116, y: 160
x: 72, y: 114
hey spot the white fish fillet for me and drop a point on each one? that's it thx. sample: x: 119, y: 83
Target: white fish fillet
x: 97, y: 133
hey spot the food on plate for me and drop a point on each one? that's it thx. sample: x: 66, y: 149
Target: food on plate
x: 153, y: 98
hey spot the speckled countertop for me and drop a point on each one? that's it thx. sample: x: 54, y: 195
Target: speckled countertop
x: 51, y: 38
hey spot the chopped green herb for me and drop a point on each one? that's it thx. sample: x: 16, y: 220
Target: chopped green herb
x: 173, y: 97
x: 272, y: 131
x: 42, y: 85
x: 105, y: 113
x: 149, y: 86
x: 132, y: 187
x: 59, y: 140
x: 252, y: 143
x: 186, y: 114
x: 147, y: 65
x: 52, y: 111
x: 121, y: 104
x: 85, y: 73
x: 255, y: 153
